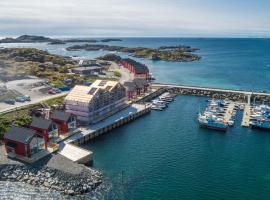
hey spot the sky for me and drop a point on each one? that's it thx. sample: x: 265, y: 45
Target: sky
x: 137, y: 18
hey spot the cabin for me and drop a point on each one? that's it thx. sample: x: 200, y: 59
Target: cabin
x: 139, y: 70
x: 131, y: 90
x: 64, y: 120
x: 23, y: 142
x: 46, y: 127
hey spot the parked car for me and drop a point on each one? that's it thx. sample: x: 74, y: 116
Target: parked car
x: 20, y: 99
x: 10, y: 101
x: 51, y: 91
x: 27, y: 98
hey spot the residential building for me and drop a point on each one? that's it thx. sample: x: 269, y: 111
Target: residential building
x: 136, y: 88
x: 91, y: 103
x: 65, y: 121
x: 139, y: 70
x: 46, y: 127
x: 87, y: 71
x: 23, y: 142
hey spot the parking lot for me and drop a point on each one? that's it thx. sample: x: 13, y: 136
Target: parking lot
x: 35, y: 89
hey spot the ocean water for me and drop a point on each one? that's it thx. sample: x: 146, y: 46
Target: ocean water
x: 165, y: 155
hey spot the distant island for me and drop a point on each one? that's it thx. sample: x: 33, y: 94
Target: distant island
x: 41, y: 39
x: 178, y: 53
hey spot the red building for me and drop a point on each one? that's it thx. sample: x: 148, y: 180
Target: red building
x: 136, y: 88
x: 23, y: 142
x: 46, y: 127
x: 64, y: 120
x: 139, y: 70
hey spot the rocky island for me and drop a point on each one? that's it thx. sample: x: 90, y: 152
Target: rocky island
x: 42, y: 39
x: 177, y: 53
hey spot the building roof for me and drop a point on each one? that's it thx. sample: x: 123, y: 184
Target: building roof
x: 41, y: 123
x: 140, y: 83
x: 20, y: 134
x: 87, y: 68
x: 139, y: 67
x: 130, y: 86
x: 85, y: 94
x: 60, y: 115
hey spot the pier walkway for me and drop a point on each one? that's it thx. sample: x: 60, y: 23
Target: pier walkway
x: 246, y: 116
x: 229, y: 112
x: 125, y: 116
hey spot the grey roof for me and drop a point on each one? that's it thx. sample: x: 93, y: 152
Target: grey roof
x: 60, y: 115
x: 139, y: 67
x: 86, y: 68
x: 130, y: 86
x: 41, y: 123
x: 140, y: 82
x: 20, y: 134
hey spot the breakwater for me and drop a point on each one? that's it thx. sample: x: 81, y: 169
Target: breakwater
x: 234, y: 95
x: 52, y: 179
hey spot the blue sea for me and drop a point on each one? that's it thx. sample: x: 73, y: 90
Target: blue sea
x: 165, y: 155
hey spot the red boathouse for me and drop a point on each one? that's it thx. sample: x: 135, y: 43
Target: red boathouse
x: 64, y: 120
x: 138, y: 69
x: 23, y: 142
x: 46, y: 127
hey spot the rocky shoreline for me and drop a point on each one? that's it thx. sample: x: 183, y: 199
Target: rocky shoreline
x: 178, y: 53
x: 52, y: 179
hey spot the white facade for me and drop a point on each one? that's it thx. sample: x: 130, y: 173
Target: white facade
x: 90, y: 103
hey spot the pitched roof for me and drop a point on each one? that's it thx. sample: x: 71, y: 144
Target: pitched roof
x: 140, y: 82
x: 62, y: 116
x: 85, y: 94
x: 20, y: 134
x: 139, y: 67
x: 130, y: 86
x: 41, y: 123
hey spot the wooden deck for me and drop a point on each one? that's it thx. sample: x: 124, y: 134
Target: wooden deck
x: 246, y: 116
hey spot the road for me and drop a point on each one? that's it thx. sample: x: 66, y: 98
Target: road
x: 125, y: 74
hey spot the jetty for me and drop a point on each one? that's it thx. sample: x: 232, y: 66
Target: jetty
x: 246, y: 116
x: 217, y: 93
x: 229, y: 112
x: 90, y: 132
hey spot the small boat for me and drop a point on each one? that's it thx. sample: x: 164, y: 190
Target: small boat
x: 260, y: 124
x: 212, y: 123
x: 155, y: 107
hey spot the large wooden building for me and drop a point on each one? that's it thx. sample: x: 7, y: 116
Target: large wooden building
x: 23, y: 142
x: 91, y: 103
x: 139, y: 70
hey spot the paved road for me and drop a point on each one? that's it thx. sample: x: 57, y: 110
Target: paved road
x: 125, y: 74
x: 6, y: 107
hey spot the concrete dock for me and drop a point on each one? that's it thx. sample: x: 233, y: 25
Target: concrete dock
x: 125, y: 116
x: 229, y: 112
x: 75, y: 153
x: 246, y: 116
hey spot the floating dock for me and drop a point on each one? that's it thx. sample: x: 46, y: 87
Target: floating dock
x: 229, y: 112
x: 246, y: 116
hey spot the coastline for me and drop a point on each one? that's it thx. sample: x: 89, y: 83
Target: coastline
x: 54, y: 173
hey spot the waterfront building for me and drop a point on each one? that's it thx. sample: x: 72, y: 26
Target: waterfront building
x: 23, y: 142
x: 87, y: 71
x: 92, y: 103
x: 88, y: 63
x: 46, y: 127
x: 136, y: 88
x: 139, y: 70
x: 65, y: 121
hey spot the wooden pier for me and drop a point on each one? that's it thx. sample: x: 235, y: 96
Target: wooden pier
x: 246, y: 116
x: 229, y: 112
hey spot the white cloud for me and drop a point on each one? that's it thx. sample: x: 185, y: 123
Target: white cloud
x: 129, y: 18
